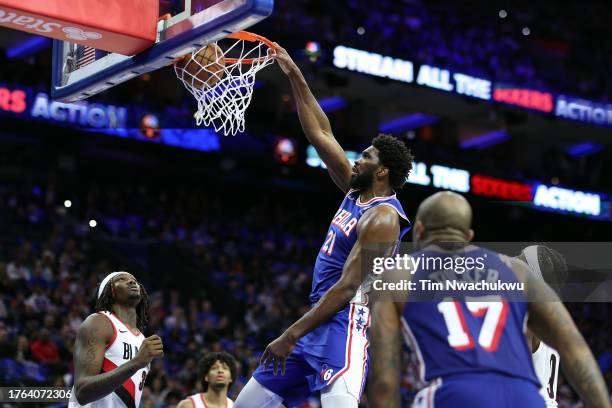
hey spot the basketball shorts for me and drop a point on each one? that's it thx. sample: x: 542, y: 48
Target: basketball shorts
x: 336, y: 349
x: 479, y: 390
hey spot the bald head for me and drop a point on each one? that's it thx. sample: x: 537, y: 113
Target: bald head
x: 445, y: 211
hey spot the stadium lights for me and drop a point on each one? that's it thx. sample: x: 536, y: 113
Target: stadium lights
x: 526, y: 31
x: 503, y: 13
x: 584, y: 149
x: 67, y: 203
x: 360, y: 30
x: 409, y: 122
x: 485, y: 140
x: 332, y: 103
x: 28, y: 47
x: 93, y: 223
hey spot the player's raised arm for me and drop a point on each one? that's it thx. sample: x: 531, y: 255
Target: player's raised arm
x: 551, y: 322
x: 315, y: 123
x: 90, y: 383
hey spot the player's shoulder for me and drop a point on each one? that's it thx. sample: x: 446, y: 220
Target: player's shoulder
x: 97, y: 324
x: 186, y: 403
x: 381, y: 214
x: 376, y: 221
x: 517, y: 265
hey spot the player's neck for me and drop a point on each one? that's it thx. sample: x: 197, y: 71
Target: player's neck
x: 218, y: 398
x: 443, y: 237
x: 375, y: 191
x: 127, y: 315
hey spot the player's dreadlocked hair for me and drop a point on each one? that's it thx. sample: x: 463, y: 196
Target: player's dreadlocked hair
x: 106, y: 301
x: 209, y: 360
x: 394, y: 155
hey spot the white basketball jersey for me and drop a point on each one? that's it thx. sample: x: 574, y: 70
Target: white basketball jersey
x: 123, y: 347
x: 546, y: 364
x: 198, y: 401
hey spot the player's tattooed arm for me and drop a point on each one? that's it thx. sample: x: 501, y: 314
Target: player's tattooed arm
x: 385, y: 352
x: 551, y: 322
x: 90, y: 383
x: 315, y: 123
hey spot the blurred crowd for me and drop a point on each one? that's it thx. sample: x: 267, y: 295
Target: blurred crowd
x: 240, y: 275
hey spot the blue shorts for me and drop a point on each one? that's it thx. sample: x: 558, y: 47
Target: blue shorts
x: 335, y: 350
x: 479, y: 390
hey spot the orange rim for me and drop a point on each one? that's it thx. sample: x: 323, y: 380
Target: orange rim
x: 247, y: 36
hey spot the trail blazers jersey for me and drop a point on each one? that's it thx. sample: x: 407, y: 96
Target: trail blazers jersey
x: 546, y: 364
x: 122, y: 347
x: 198, y: 401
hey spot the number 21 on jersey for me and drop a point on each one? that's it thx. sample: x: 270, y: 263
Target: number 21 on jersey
x: 328, y: 245
x: 492, y: 308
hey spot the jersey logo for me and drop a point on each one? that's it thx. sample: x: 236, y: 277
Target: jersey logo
x: 344, y: 221
x: 129, y: 351
x: 326, y: 373
x: 122, y: 331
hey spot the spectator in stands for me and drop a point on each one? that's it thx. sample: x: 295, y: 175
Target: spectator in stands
x: 44, y: 350
x: 7, y: 347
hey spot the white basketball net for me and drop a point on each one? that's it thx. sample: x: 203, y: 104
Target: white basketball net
x: 224, y: 98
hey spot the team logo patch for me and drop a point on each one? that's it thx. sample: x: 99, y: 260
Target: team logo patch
x: 326, y: 373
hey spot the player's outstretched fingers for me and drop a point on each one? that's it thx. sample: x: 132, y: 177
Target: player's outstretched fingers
x: 275, y: 362
x: 265, y: 357
x: 284, y: 365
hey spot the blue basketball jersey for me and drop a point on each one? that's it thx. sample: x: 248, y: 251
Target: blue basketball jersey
x: 337, y: 348
x: 340, y: 238
x: 480, y: 331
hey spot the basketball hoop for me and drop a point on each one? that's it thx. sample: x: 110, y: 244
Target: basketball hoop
x: 221, y: 77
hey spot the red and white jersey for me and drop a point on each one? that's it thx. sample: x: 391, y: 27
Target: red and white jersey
x: 122, y: 347
x: 198, y: 401
x: 546, y: 364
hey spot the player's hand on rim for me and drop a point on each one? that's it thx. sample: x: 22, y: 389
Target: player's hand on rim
x: 285, y: 62
x: 276, y: 353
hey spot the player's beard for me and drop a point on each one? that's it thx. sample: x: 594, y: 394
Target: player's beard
x: 362, y: 181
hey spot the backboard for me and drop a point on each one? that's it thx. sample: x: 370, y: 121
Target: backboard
x: 80, y: 71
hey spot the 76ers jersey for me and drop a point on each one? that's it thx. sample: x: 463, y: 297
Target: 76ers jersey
x: 341, y: 237
x: 122, y: 347
x: 457, y: 334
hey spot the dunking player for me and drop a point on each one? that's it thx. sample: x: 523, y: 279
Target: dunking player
x: 326, y: 349
x: 549, y: 265
x: 217, y: 372
x: 111, y: 355
x: 472, y: 353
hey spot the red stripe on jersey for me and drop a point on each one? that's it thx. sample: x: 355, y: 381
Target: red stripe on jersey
x: 112, y: 340
x: 348, y: 348
x: 129, y: 385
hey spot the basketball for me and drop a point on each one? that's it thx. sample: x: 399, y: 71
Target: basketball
x: 206, y: 65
